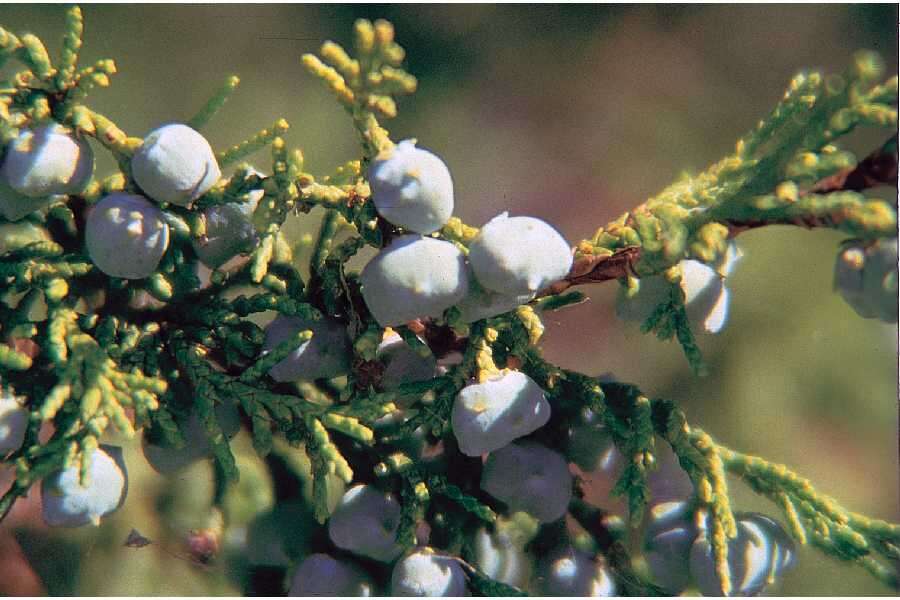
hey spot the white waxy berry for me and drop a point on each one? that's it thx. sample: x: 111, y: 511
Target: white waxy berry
x: 866, y: 277
x: 575, y: 573
x: 784, y: 551
x: 750, y: 559
x: 412, y: 188
x: 669, y: 537
x: 326, y: 355
x: 487, y: 416
x: 705, y: 296
x: 66, y: 503
x: 229, y: 231
x: 13, y: 423
x: 531, y: 478
x: 402, y: 363
x: 175, y: 164
x: 15, y: 206
x: 480, y: 303
x: 365, y: 522
x: 518, y: 255
x: 427, y: 573
x: 414, y: 277
x: 501, y: 557
x: 170, y: 459
x: 126, y: 236
x: 47, y: 160
x: 322, y: 575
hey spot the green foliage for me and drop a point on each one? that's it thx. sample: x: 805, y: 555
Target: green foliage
x: 137, y: 354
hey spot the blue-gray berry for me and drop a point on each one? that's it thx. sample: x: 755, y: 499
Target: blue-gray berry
x: 47, y: 160
x: 425, y: 573
x: 322, y: 575
x: 866, y: 277
x: 365, y: 522
x: 67, y: 503
x: 326, y: 355
x: 175, y: 164
x: 126, y: 236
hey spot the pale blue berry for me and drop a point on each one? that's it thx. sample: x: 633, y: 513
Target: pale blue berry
x: 529, y: 477
x: 669, y: 537
x: 591, y: 447
x: 750, y: 560
x: 487, y: 416
x: 571, y: 572
x: 365, y: 522
x: 501, y: 556
x: 13, y: 423
x: 47, y: 160
x: 175, y: 164
x: 229, y: 230
x: 866, y: 277
x: 429, y: 574
x: 15, y: 206
x: 403, y: 363
x: 322, y: 575
x: 126, y: 236
x: 414, y: 277
x: 480, y: 303
x: 784, y: 550
x: 518, y: 255
x: 67, y: 503
x: 412, y: 188
x: 326, y: 355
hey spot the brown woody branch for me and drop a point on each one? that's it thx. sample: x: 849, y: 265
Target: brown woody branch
x: 877, y: 169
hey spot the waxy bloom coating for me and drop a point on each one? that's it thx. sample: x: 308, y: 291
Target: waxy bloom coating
x: 866, y: 277
x: 669, y: 538
x: 66, y: 503
x: 412, y: 188
x: 365, y: 522
x: 480, y: 303
x: 519, y: 255
x: 426, y: 573
x: 126, y: 236
x: 487, y: 416
x: 414, y: 277
x: 175, y: 164
x: 326, y: 355
x: 322, y: 575
x: 229, y: 231
x: 705, y: 296
x: 47, y: 160
x: 403, y: 363
x: 13, y: 423
x: 501, y: 557
x: 529, y: 477
x: 574, y: 573
x: 750, y: 560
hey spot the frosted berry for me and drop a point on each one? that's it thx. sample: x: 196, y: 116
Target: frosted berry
x: 170, y: 459
x: 412, y: 188
x: 365, y: 522
x: 229, y: 231
x: 427, y: 573
x: 518, y: 255
x: 669, y: 537
x: 322, y: 575
x: 487, y: 416
x: 705, y: 296
x: 414, y: 277
x: 750, y: 558
x: 175, y: 164
x: 126, y: 236
x: 47, y: 160
x: 784, y: 551
x: 866, y: 277
x: 15, y: 206
x: 402, y: 363
x: 575, y: 573
x: 501, y: 557
x: 480, y: 303
x: 326, y: 355
x: 13, y: 423
x: 66, y: 503
x: 529, y: 477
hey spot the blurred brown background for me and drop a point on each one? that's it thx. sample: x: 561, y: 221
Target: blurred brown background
x: 571, y: 114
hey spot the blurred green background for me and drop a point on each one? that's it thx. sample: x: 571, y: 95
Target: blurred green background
x: 569, y: 113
